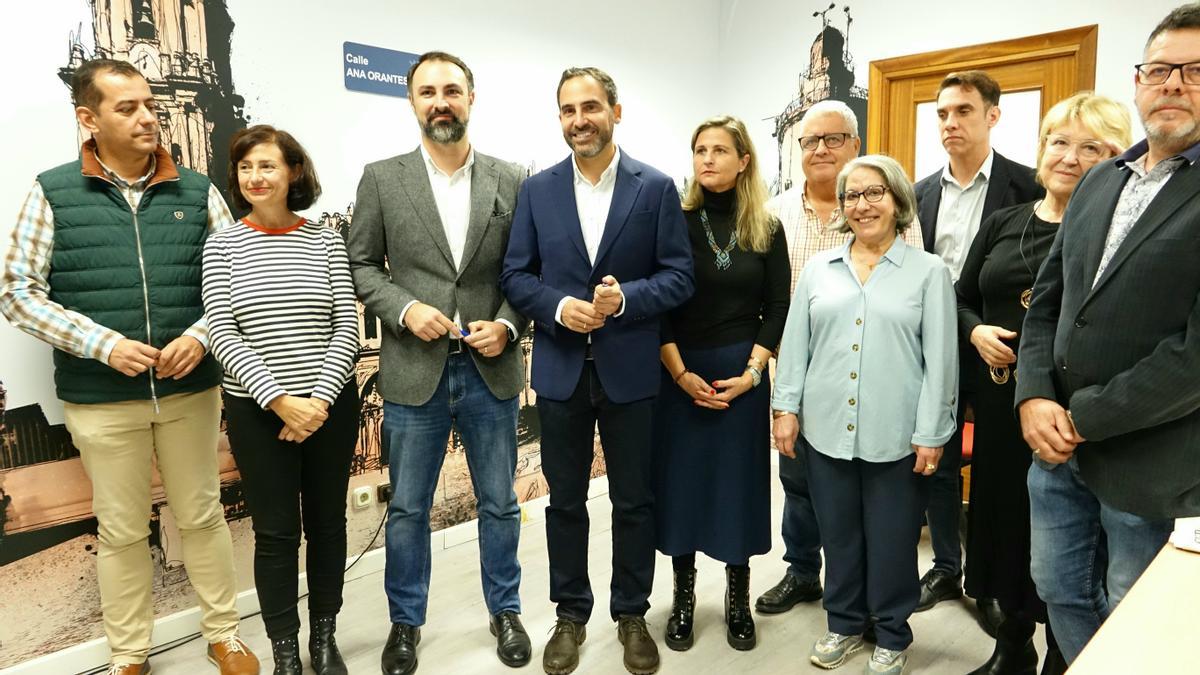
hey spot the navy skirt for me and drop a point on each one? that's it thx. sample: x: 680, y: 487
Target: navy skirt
x: 712, y: 468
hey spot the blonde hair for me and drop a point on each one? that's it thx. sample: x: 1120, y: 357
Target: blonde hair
x: 754, y: 225
x: 1100, y: 115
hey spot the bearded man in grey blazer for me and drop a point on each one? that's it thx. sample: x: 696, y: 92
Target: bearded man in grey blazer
x: 426, y: 245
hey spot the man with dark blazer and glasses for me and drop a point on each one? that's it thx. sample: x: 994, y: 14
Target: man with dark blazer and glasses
x: 1108, y: 379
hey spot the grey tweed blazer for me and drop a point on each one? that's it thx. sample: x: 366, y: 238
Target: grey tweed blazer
x: 399, y: 253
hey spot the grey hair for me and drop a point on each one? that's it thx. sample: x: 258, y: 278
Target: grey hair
x: 894, y: 179
x: 832, y: 106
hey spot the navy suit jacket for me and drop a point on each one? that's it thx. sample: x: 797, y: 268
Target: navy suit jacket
x: 1124, y: 355
x: 1010, y: 184
x: 644, y: 246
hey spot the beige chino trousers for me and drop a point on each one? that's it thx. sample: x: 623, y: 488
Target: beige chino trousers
x: 119, y: 443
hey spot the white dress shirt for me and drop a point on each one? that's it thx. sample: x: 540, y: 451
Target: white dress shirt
x: 959, y: 215
x: 452, y: 195
x: 593, y: 202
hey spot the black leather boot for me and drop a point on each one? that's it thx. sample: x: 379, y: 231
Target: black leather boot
x: 738, y: 619
x: 322, y: 649
x: 1014, y: 653
x: 286, y: 654
x: 683, y: 611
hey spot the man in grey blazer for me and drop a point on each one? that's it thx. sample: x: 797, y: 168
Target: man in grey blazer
x: 1108, y: 379
x: 426, y: 245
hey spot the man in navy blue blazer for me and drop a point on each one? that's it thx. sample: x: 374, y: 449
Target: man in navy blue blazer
x: 597, y: 253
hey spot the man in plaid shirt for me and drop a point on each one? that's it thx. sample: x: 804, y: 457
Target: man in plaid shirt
x: 812, y: 222
x: 105, y: 267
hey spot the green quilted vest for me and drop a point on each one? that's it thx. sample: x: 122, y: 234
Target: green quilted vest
x: 95, y: 270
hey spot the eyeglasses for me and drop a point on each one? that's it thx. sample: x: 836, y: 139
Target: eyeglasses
x: 872, y: 194
x: 1158, y: 73
x: 832, y: 141
x: 1089, y: 151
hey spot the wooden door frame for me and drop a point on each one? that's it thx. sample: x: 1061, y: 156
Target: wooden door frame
x: 1019, y: 65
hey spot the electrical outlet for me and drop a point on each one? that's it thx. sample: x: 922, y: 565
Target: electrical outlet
x: 383, y: 491
x: 362, y: 497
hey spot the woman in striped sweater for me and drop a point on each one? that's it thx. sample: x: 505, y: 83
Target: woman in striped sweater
x: 280, y: 305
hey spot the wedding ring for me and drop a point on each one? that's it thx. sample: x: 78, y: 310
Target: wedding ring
x: 931, y: 467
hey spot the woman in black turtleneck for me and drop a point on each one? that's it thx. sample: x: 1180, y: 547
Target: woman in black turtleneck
x: 712, y: 423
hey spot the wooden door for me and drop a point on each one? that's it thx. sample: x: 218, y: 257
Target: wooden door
x: 1057, y: 64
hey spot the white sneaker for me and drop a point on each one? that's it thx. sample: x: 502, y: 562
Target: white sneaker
x: 832, y: 649
x: 886, y: 662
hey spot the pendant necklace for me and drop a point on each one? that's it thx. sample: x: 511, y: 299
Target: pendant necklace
x: 1001, y: 374
x: 1027, y: 294
x: 723, y: 259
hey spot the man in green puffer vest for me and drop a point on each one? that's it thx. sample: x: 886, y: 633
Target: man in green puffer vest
x: 105, y: 266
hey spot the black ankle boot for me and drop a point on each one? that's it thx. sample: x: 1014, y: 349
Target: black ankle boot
x: 322, y: 649
x: 683, y: 611
x: 286, y: 653
x: 1014, y: 653
x: 738, y: 619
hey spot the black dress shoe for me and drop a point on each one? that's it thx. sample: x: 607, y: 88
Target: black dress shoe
x: 322, y: 648
x: 739, y: 621
x: 990, y: 616
x: 400, y: 652
x: 561, y: 655
x: 680, y: 635
x: 641, y: 654
x: 1014, y: 653
x: 786, y: 594
x: 286, y: 654
x: 938, y: 585
x: 512, y: 642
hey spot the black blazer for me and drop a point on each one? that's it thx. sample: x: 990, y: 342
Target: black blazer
x: 1124, y: 357
x: 1010, y: 184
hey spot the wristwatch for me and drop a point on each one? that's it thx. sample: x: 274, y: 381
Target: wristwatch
x: 755, y: 375
x: 776, y: 414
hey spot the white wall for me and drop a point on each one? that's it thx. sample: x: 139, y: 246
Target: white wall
x: 765, y: 43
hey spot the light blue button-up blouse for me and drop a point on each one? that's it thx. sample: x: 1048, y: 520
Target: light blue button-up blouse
x: 871, y: 369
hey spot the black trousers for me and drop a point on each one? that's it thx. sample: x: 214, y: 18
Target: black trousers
x: 292, y: 486
x: 568, y: 432
x: 870, y: 518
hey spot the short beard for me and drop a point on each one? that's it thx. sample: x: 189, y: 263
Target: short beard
x: 1183, y: 137
x: 445, y: 133
x: 602, y: 140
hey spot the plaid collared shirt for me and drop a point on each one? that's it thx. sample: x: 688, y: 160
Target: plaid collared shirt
x: 25, y: 291
x: 807, y: 235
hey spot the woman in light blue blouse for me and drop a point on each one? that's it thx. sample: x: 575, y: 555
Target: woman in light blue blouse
x: 868, y: 368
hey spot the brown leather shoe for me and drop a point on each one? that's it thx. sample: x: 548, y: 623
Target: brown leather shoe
x: 142, y: 668
x: 561, y: 655
x: 233, y: 657
x: 641, y: 654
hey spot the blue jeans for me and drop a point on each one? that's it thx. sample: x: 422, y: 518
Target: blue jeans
x: 416, y: 438
x: 1085, y: 555
x: 801, y: 534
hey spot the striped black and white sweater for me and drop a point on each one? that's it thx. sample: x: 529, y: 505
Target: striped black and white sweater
x: 280, y: 308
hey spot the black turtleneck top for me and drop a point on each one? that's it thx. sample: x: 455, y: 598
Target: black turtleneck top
x: 746, y: 301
